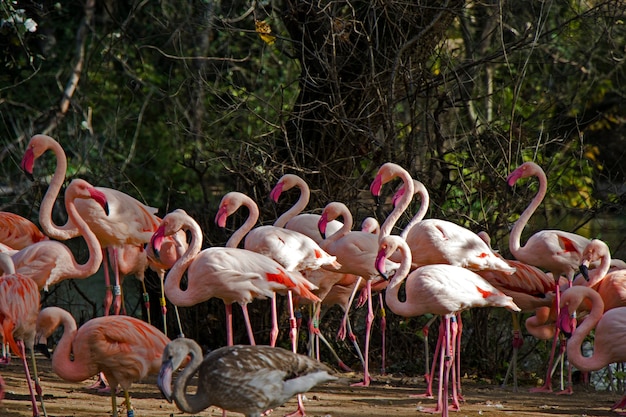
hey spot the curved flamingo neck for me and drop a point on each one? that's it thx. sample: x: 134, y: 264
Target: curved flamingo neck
x: 253, y: 216
x: 174, y: 276
x: 574, y: 353
x: 420, y: 190
x: 391, y: 293
x: 344, y: 212
x: 95, y: 250
x: 401, y: 205
x: 298, y: 207
x: 64, y: 361
x: 68, y: 230
x: 190, y: 403
x: 516, y: 234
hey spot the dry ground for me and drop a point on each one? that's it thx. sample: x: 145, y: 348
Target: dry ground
x: 388, y: 396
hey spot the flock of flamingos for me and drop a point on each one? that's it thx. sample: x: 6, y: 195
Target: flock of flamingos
x: 309, y: 258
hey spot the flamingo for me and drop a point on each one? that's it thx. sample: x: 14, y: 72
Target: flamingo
x: 129, y: 222
x: 306, y: 224
x: 293, y: 250
x: 553, y: 250
x: 610, y: 332
x: 125, y: 349
x: 48, y: 262
x: 17, y: 232
x: 19, y: 304
x: 232, y: 274
x: 356, y: 252
x: 441, y: 289
x: 292, y: 219
x: 435, y: 241
x: 244, y: 379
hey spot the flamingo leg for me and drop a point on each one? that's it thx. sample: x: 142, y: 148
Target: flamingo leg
x: 368, y: 330
x: 117, y: 288
x: 108, y: 294
x: 354, y: 341
x: 443, y: 336
x: 457, y: 327
x: 130, y: 412
x: 569, y: 390
x: 114, y: 402
x: 1, y: 388
x: 427, y: 373
x: 29, y: 381
x: 229, y: 325
x: 146, y: 303
x: 180, y: 325
x: 293, y: 335
x: 383, y: 329
x: 341, y: 335
x: 274, y: 331
x: 430, y: 372
x: 518, y: 341
x: 246, y: 317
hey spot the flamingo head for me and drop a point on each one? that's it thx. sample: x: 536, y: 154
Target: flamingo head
x: 36, y: 147
x: 277, y: 190
x: 566, y: 321
x: 376, y: 185
x: 527, y: 169
x: 157, y: 240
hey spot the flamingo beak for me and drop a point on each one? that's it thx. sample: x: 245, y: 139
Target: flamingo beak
x: 164, y: 380
x: 157, y: 240
x: 221, y: 216
x: 584, y: 270
x: 381, y: 257
x: 28, y: 161
x: 100, y: 198
x: 276, y: 192
x: 322, y: 223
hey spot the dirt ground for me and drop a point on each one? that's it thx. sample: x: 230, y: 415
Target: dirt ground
x: 389, y: 395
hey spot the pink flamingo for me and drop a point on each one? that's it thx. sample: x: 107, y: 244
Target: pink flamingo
x: 232, y: 274
x: 610, y: 332
x: 292, y: 219
x: 293, y: 250
x: 19, y: 304
x: 49, y: 262
x: 553, y: 250
x: 125, y: 349
x: 356, y: 252
x: 18, y: 232
x: 129, y: 222
x: 444, y: 290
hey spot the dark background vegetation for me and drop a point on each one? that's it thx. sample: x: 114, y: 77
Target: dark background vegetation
x: 177, y: 103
